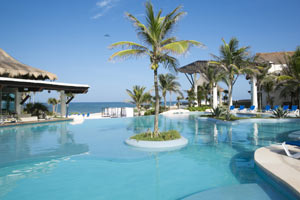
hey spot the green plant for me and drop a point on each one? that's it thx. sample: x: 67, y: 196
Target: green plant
x: 232, y: 59
x: 218, y: 111
x: 191, y: 97
x: 280, y: 113
x: 228, y: 115
x: 53, y: 102
x: 163, y: 136
x: 200, y: 108
x: 152, y: 111
x: 138, y: 97
x: 36, y: 109
x: 157, y: 44
x: 168, y: 83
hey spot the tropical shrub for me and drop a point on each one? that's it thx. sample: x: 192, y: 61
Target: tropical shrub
x: 218, y: 112
x: 152, y: 111
x: 280, y: 113
x: 36, y: 109
x: 200, y: 108
x: 163, y: 136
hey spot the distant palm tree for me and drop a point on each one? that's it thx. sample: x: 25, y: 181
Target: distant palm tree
x: 212, y: 74
x: 232, y: 59
x: 290, y: 75
x: 53, y: 102
x: 138, y: 97
x: 202, y: 93
x: 178, y: 98
x: 262, y: 75
x: 168, y: 83
x: 269, y: 86
x: 157, y: 44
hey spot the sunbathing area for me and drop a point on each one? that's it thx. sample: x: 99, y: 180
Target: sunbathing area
x: 149, y: 100
x: 282, y: 162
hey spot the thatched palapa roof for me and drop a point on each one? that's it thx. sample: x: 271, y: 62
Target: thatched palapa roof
x: 274, y: 57
x: 9, y: 67
x: 193, y: 67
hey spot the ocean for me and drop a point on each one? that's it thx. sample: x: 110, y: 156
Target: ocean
x: 95, y: 107
x: 92, y: 107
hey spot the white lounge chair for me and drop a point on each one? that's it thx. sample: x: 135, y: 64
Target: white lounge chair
x: 296, y: 155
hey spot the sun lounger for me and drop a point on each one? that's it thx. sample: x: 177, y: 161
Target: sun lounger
x: 87, y: 115
x: 294, y: 108
x: 231, y: 108
x: 252, y: 108
x: 275, y: 107
x: 267, y: 108
x: 296, y: 155
x: 295, y: 143
x: 285, y: 107
x: 242, y: 107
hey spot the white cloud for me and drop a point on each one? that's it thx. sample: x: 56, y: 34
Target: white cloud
x: 103, y: 7
x: 103, y: 3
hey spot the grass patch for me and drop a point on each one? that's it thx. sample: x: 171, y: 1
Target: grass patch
x: 163, y: 136
x: 200, y: 108
x: 223, y: 118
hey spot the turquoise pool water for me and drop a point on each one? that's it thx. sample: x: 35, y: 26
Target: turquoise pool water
x: 91, y: 161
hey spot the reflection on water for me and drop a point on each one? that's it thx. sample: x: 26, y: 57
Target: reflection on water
x: 217, y: 155
x: 32, y: 150
x: 37, y: 142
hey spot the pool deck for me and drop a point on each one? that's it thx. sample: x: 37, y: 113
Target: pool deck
x: 35, y: 122
x: 273, y: 160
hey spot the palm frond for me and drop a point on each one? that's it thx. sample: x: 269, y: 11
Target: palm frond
x: 127, y: 44
x: 180, y: 47
x: 124, y: 54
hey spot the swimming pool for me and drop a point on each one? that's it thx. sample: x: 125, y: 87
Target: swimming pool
x: 91, y: 160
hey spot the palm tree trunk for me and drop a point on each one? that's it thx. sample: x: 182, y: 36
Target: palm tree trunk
x: 165, y: 102
x: 139, y: 110
x: 211, y: 98
x: 156, y: 132
x: 298, y: 91
x: 170, y: 99
x: 53, y: 108
x: 229, y: 95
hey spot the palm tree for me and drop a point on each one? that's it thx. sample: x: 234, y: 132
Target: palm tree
x: 157, y: 45
x: 202, y: 93
x: 191, y: 97
x: 178, y: 98
x: 212, y: 74
x: 163, y: 85
x: 53, y: 102
x: 262, y: 75
x: 232, y: 58
x: 269, y: 86
x: 168, y: 83
x: 138, y: 96
x: 173, y: 86
x: 290, y: 75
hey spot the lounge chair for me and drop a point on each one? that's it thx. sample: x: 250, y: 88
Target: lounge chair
x: 87, y: 115
x: 296, y: 155
x: 267, y: 108
x: 242, y: 107
x: 275, y: 107
x: 252, y: 108
x: 295, y: 143
x: 294, y: 108
x: 285, y: 107
x: 231, y: 108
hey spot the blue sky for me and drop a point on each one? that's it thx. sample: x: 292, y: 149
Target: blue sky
x: 68, y: 37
